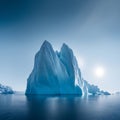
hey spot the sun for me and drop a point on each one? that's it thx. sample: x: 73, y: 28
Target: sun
x: 99, y: 71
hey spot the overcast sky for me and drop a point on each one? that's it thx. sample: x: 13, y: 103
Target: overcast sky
x: 90, y: 27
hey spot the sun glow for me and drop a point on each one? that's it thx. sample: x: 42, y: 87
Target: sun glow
x: 99, y: 71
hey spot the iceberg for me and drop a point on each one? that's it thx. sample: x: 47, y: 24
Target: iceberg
x: 58, y: 73
x: 5, y: 89
x: 55, y: 72
x: 95, y: 90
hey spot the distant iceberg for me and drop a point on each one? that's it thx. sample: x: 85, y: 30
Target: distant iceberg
x: 5, y: 89
x: 94, y: 90
x: 56, y: 72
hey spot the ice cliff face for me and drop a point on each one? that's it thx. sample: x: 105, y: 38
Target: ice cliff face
x: 55, y: 72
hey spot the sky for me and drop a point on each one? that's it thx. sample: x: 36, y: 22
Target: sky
x: 90, y: 27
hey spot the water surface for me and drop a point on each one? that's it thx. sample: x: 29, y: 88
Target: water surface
x: 40, y: 107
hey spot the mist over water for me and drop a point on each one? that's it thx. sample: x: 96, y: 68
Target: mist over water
x: 37, y: 107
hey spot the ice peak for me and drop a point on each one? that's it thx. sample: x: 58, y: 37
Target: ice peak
x: 46, y: 46
x: 65, y: 46
x: 66, y: 50
x: 46, y: 43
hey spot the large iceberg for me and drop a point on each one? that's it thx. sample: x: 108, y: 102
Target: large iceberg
x: 55, y: 72
x: 58, y: 73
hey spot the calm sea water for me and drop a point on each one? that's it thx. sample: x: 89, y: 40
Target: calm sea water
x: 20, y: 107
